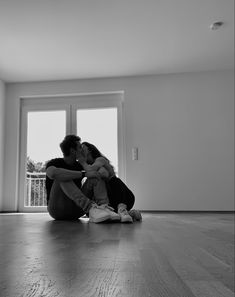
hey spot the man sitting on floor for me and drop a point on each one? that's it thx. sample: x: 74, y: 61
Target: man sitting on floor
x: 67, y: 199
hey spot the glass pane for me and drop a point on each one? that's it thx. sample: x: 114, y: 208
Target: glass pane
x: 46, y: 129
x: 99, y: 127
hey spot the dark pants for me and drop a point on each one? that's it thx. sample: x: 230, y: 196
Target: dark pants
x: 118, y: 193
x: 68, y: 202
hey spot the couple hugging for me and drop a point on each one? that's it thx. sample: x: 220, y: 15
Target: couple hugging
x: 102, y: 196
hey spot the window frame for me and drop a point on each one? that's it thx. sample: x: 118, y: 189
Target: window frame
x: 69, y: 103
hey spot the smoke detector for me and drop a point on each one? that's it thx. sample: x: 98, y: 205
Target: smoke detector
x: 216, y: 25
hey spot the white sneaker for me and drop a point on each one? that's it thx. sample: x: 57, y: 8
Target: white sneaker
x: 125, y: 217
x: 98, y: 214
x: 113, y: 215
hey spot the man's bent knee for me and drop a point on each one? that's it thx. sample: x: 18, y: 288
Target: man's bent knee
x: 60, y: 206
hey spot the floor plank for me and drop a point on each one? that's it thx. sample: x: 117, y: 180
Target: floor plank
x: 166, y: 255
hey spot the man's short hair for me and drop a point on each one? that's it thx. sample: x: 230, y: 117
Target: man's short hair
x: 69, y: 142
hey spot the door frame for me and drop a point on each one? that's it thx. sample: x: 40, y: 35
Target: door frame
x: 70, y: 103
x: 25, y: 108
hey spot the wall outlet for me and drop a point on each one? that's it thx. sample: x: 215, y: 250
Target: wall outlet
x: 135, y: 153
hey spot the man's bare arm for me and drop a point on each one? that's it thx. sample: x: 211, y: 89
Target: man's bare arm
x: 62, y: 174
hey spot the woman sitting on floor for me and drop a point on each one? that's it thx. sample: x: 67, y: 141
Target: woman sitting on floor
x: 121, y: 198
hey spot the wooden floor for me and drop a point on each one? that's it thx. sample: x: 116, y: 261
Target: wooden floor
x: 166, y: 255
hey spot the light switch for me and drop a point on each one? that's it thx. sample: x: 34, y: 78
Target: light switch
x: 135, y: 153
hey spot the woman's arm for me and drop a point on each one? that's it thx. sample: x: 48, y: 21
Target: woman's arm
x: 99, y: 162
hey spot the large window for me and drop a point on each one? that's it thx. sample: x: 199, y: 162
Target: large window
x: 44, y: 123
x: 45, y: 129
x: 102, y: 133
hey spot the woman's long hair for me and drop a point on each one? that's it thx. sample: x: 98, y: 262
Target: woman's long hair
x: 95, y: 153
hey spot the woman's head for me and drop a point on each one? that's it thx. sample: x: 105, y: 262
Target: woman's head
x: 91, y: 152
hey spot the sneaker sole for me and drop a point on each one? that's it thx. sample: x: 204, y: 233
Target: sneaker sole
x: 127, y: 221
x: 100, y: 220
x: 115, y: 219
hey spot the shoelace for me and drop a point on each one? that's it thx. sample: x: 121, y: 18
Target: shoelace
x: 123, y: 211
x: 98, y: 206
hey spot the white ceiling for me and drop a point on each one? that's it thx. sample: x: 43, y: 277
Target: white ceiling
x: 70, y: 39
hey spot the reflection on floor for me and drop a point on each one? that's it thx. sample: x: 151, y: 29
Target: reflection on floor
x: 166, y: 255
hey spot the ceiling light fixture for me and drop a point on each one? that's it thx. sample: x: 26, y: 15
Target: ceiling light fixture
x: 216, y: 25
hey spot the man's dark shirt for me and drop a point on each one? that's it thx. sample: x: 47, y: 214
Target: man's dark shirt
x: 60, y: 163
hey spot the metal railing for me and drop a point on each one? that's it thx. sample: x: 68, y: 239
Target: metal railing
x: 36, y: 190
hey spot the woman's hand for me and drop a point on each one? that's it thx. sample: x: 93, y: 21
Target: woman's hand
x: 92, y: 174
x: 103, y: 172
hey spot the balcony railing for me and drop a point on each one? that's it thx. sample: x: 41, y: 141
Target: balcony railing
x: 36, y: 190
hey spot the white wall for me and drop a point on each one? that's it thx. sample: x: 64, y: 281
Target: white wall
x: 183, y: 125
x: 2, y: 130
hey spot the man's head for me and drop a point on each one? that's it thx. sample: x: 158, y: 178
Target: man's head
x: 70, y: 145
